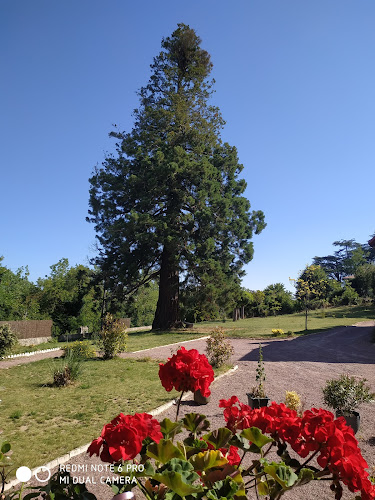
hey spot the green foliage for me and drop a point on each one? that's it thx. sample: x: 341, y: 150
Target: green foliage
x: 67, y: 370
x: 18, y: 297
x: 219, y: 349
x: 82, y: 350
x: 312, y: 284
x: 141, y: 306
x: 346, y: 393
x: 170, y: 201
x: 113, y: 337
x: 8, y: 339
x: 364, y: 281
x: 69, y: 296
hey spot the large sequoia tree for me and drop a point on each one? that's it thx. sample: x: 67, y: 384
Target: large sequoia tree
x: 168, y: 205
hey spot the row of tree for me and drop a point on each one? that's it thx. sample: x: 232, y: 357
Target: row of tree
x: 76, y: 296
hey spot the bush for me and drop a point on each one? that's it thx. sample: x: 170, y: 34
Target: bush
x: 113, y: 337
x: 218, y: 348
x: 68, y: 370
x: 8, y: 339
x: 293, y: 401
x: 346, y: 394
x: 82, y: 350
x: 276, y: 332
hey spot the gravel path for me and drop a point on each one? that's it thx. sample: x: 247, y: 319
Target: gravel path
x: 301, y: 364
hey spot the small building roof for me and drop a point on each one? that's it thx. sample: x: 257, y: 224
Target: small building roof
x: 372, y: 242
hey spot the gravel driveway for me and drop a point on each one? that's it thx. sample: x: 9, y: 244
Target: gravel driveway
x: 300, y: 364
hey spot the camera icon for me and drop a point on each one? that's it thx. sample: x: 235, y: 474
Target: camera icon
x: 24, y: 474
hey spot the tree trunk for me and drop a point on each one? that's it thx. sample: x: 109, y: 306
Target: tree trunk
x: 167, y: 313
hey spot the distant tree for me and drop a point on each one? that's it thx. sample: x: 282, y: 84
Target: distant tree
x: 345, y: 261
x: 364, y: 281
x: 68, y: 297
x: 18, y: 296
x: 141, y: 305
x: 311, y: 285
x: 278, y: 299
x: 170, y: 203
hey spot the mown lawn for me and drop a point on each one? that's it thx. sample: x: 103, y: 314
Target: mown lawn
x: 136, y: 341
x: 43, y: 422
x: 318, y: 320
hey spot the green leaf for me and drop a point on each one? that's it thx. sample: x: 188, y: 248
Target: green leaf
x: 218, y: 438
x: 164, y: 451
x: 254, y: 435
x: 221, y: 490
x: 179, y: 476
x: 305, y: 476
x: 281, y: 473
x: 240, y: 441
x: 207, y: 460
x: 262, y: 488
x: 196, y: 423
x: 169, y: 429
x: 5, y: 447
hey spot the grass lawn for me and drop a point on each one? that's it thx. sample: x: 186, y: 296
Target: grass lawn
x: 43, y: 422
x: 318, y: 320
x: 136, y: 341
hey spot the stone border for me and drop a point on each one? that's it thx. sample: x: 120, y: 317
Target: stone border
x: 32, y: 353
x: 168, y: 345
x: 82, y: 449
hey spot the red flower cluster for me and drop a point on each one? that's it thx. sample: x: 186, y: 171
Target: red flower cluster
x: 316, y: 431
x: 122, y: 438
x: 187, y: 371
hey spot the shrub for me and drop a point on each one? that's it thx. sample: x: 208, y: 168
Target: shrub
x: 67, y: 371
x: 113, y: 337
x: 346, y: 393
x: 82, y: 350
x: 8, y: 339
x: 293, y: 401
x: 276, y: 332
x: 218, y: 348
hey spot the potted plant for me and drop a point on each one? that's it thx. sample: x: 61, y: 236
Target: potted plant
x: 257, y: 397
x: 344, y: 395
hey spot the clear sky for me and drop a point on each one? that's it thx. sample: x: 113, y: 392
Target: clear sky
x: 295, y: 81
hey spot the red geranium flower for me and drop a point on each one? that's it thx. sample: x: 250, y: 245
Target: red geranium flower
x: 122, y: 438
x: 187, y: 371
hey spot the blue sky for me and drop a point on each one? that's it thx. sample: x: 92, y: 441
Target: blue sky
x: 295, y: 82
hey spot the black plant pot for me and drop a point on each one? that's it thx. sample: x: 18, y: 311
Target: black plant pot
x: 353, y: 420
x: 255, y: 402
